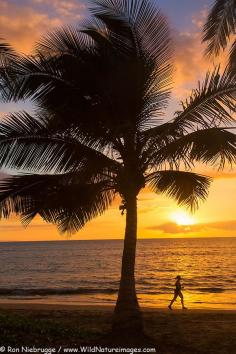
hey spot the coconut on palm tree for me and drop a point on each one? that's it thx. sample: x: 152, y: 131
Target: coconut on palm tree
x: 97, y: 129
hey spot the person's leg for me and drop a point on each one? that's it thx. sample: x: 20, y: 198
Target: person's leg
x: 182, y: 299
x: 173, y: 300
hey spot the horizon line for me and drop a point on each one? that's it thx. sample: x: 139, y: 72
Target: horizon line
x: 119, y: 239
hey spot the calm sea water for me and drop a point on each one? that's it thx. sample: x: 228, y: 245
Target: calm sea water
x: 88, y: 271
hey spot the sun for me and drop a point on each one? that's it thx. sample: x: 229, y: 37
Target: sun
x: 182, y: 218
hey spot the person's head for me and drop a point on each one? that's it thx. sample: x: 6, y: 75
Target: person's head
x: 178, y: 277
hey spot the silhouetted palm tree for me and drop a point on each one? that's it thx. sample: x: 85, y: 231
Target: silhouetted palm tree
x: 97, y: 129
x: 220, y: 28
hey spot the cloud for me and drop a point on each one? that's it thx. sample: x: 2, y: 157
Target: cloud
x: 22, y: 25
x: 190, y: 63
x: 23, y: 22
x: 64, y: 8
x: 173, y: 228
x: 147, y: 209
x: 200, y: 17
x: 9, y: 227
x: 222, y: 175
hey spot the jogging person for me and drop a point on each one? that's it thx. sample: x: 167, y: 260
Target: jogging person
x: 178, y: 292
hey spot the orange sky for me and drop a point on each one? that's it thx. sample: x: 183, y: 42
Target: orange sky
x: 22, y: 23
x: 215, y: 217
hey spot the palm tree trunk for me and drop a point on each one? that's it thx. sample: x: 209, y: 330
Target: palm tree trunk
x: 127, y: 315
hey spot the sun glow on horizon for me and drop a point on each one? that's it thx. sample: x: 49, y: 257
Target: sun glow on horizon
x: 183, y: 218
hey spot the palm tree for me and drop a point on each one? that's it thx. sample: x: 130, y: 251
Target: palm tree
x: 220, y: 28
x: 97, y: 130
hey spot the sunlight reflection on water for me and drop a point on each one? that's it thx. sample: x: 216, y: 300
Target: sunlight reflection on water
x: 93, y: 267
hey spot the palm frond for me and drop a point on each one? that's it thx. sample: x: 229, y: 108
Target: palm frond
x: 160, y: 135
x: 63, y: 200
x: 70, y: 90
x: 63, y: 80
x: 132, y: 89
x: 35, y: 77
x: 22, y: 124
x: 7, y: 57
x: 216, y: 146
x: 7, y: 53
x: 187, y: 188
x: 139, y: 31
x: 232, y: 59
x: 211, y: 104
x: 64, y: 41
x: 27, y: 144
x: 140, y: 23
x: 220, y: 24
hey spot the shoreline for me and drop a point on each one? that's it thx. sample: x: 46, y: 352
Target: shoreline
x: 83, y: 306
x: 154, y: 301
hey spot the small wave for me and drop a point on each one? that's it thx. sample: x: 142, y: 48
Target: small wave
x: 145, y: 282
x: 50, y: 291
x: 230, y: 281
x: 211, y: 290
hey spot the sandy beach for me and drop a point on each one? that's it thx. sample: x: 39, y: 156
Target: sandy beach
x: 172, y: 332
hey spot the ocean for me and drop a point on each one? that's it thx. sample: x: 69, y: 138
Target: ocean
x: 87, y: 272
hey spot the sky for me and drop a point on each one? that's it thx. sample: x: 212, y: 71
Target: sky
x: 23, y: 22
